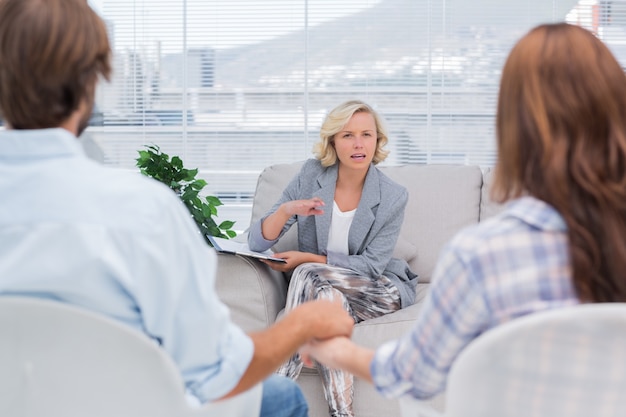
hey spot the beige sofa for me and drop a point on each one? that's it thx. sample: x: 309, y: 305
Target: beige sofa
x: 442, y: 200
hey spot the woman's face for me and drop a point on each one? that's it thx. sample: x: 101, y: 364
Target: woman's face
x: 355, y: 144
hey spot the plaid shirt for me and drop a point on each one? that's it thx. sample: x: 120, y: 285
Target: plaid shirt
x: 511, y: 265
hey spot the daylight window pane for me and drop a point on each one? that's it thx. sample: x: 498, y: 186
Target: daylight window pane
x: 233, y: 86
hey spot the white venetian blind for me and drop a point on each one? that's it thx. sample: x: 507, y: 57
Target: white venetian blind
x: 233, y: 86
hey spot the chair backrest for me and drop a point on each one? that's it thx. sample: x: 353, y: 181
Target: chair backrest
x: 563, y: 362
x: 63, y: 361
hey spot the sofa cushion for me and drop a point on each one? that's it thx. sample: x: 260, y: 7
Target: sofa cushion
x: 442, y: 200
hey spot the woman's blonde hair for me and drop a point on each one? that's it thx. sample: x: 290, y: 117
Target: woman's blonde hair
x: 324, y: 150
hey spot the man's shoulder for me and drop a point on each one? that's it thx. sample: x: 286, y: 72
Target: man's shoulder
x: 132, y: 196
x: 131, y: 184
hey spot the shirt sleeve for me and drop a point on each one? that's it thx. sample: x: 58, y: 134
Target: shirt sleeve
x: 256, y: 240
x: 454, y: 313
x: 175, y: 291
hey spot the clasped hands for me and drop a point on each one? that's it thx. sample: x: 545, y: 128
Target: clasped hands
x: 327, y: 348
x: 327, y: 352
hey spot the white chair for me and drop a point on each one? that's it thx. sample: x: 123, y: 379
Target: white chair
x: 62, y: 361
x: 568, y: 362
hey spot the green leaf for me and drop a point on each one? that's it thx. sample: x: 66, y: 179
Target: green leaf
x: 206, y: 210
x: 190, y: 194
x: 143, y: 156
x: 198, y: 184
x: 227, y: 224
x: 191, y: 174
x: 177, y: 162
x: 213, y: 201
x: 214, y: 231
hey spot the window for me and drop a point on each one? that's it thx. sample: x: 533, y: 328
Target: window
x: 233, y: 86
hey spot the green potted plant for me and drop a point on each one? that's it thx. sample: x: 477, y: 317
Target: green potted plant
x: 158, y: 165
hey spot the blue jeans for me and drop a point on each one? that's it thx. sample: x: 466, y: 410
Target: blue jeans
x: 282, y: 397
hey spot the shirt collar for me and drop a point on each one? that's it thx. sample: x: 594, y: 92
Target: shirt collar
x: 536, y: 213
x: 38, y: 144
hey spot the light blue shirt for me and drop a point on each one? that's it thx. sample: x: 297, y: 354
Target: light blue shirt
x: 511, y: 265
x: 117, y: 243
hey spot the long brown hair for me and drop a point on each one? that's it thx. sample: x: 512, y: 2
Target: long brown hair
x: 561, y: 133
x: 51, y: 55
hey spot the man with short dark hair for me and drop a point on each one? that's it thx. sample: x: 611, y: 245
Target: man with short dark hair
x: 113, y: 242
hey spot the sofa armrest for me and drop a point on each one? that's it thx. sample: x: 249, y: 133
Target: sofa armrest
x: 253, y: 291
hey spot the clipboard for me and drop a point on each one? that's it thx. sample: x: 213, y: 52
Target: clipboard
x: 239, y: 248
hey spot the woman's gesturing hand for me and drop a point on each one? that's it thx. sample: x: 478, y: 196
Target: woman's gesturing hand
x: 274, y: 223
x: 310, y: 207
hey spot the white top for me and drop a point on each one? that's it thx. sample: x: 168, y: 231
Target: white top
x: 339, y: 228
x: 117, y: 243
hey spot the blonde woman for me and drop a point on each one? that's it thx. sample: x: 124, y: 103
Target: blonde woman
x: 349, y: 216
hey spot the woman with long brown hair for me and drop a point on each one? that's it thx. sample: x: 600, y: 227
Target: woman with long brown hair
x: 561, y: 239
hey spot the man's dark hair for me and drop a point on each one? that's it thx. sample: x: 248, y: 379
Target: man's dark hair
x: 51, y: 55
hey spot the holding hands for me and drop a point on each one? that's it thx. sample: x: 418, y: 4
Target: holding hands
x: 339, y: 353
x: 327, y: 352
x: 325, y: 319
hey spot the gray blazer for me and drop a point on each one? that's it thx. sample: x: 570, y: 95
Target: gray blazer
x: 373, y: 234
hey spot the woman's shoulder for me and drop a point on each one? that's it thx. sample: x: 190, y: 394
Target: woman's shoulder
x: 389, y: 186
x: 312, y: 168
x: 312, y: 165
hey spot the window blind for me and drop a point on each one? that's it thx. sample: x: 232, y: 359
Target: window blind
x: 233, y: 86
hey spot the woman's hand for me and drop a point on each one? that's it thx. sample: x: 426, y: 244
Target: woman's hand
x: 274, y: 223
x: 328, y: 352
x: 339, y: 353
x: 310, y: 207
x: 293, y: 258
